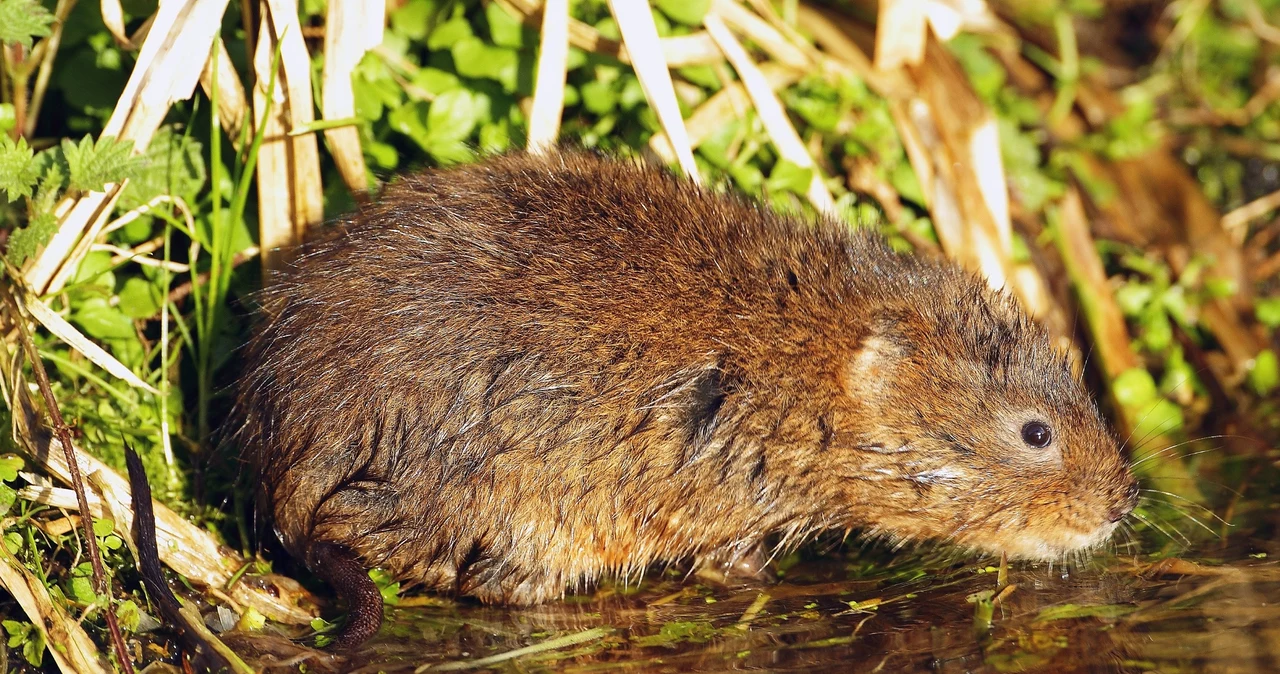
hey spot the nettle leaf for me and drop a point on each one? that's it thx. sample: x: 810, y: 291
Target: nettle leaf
x: 172, y: 164
x: 21, y: 20
x: 18, y: 168
x: 93, y: 165
x: 23, y: 243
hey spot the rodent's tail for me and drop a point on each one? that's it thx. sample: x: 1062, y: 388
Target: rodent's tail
x: 344, y: 572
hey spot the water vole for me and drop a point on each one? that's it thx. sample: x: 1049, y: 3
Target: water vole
x: 506, y: 379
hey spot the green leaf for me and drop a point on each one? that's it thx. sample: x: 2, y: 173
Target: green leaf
x: 1134, y: 387
x: 17, y: 631
x: 10, y: 464
x: 435, y: 81
x: 21, y: 20
x: 717, y: 146
x: 129, y: 615
x: 688, y: 12
x: 81, y: 589
x: 8, y: 117
x: 789, y: 177
x: 25, y: 242
x: 251, y: 620
x: 1268, y: 311
x: 103, y: 526
x: 1134, y: 297
x: 473, y: 58
x: 99, y: 319
x: 449, y: 33
x: 8, y: 496
x: 172, y: 164
x: 1160, y: 418
x: 413, y: 19
x: 495, y: 138
x: 599, y: 97
x: 95, y: 164
x: 505, y: 29
x: 387, y: 586
x: 451, y: 117
x: 96, y: 270
x: 18, y: 169
x: 1264, y: 376
x: 139, y: 298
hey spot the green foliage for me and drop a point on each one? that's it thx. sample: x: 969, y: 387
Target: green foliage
x: 21, y: 20
x: 448, y: 86
x: 8, y: 117
x: 18, y: 168
x: 1267, y: 309
x: 388, y: 586
x: 23, y: 243
x: 87, y: 165
x: 688, y: 12
x: 26, y: 636
x: 129, y: 615
x: 172, y: 165
x: 1264, y: 376
x: 94, y: 164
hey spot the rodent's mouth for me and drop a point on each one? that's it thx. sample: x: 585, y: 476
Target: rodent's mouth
x: 1030, y: 546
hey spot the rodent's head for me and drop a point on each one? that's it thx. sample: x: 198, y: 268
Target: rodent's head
x: 975, y: 431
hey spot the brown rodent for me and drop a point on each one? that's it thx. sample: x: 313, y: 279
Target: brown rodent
x: 504, y: 380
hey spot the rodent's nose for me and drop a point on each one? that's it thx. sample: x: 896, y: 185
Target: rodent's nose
x: 1126, y: 506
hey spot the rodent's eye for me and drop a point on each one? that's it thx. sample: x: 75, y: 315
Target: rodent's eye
x: 1037, y: 434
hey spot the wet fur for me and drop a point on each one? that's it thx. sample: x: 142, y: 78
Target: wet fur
x: 507, y: 379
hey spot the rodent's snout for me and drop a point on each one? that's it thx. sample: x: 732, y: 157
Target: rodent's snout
x: 1126, y: 506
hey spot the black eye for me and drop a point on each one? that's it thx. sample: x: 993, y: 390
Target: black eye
x: 1036, y: 434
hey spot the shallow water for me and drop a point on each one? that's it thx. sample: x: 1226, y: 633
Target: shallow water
x: 1116, y: 614
x: 1183, y: 605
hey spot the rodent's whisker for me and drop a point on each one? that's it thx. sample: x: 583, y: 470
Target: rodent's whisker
x: 1150, y: 521
x: 1157, y: 432
x: 1201, y: 481
x: 1189, y: 516
x: 1188, y: 501
x: 1170, y: 448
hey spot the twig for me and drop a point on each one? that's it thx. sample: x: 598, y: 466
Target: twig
x: 61, y: 12
x: 1234, y: 223
x: 101, y: 586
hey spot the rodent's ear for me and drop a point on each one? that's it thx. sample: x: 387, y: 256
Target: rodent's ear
x: 873, y: 365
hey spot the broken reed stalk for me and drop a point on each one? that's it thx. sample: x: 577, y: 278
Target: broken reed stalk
x: 59, y: 426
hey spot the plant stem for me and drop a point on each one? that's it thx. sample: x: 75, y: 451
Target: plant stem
x: 51, y: 44
x: 63, y: 433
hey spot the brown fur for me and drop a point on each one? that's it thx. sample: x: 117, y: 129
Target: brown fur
x: 506, y: 379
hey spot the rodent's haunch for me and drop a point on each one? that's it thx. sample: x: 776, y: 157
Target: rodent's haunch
x: 506, y: 379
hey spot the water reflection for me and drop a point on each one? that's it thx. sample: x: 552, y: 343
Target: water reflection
x: 862, y: 611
